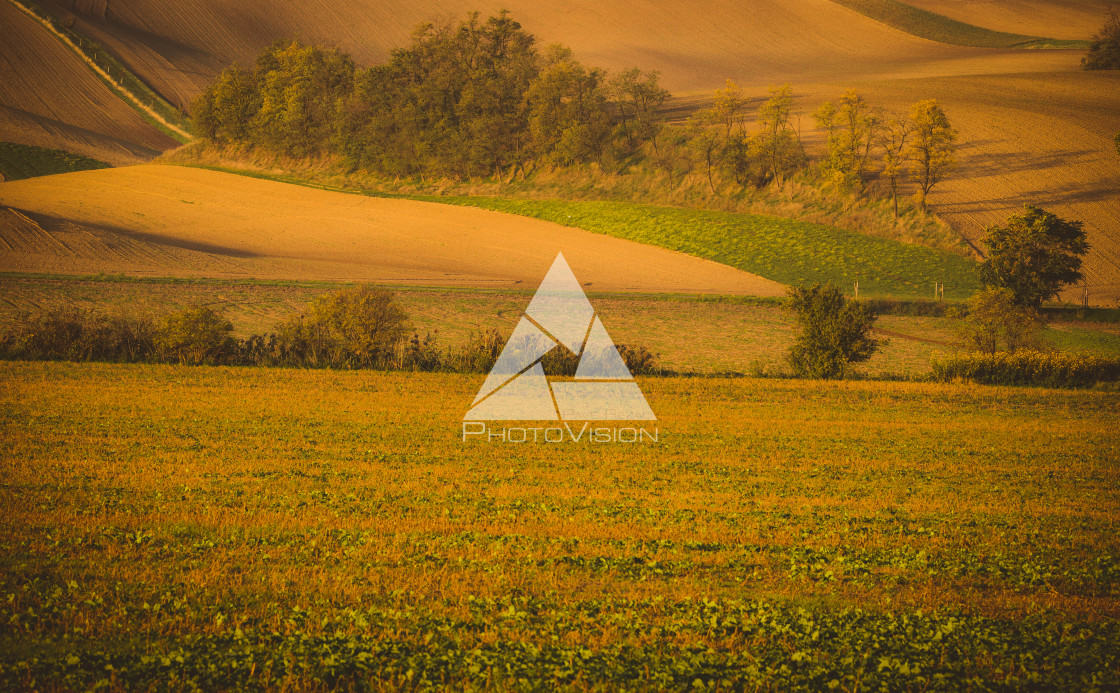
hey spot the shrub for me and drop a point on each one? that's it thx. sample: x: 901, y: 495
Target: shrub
x: 195, y: 336
x: 835, y: 332
x: 1104, y: 51
x: 1051, y: 369
x: 358, y: 327
x: 75, y: 335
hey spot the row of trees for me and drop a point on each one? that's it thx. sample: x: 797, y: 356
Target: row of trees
x: 481, y: 100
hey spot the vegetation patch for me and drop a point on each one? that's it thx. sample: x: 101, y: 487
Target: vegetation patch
x: 241, y: 527
x: 784, y: 250
x: 936, y: 27
x: 19, y: 161
x: 1026, y: 367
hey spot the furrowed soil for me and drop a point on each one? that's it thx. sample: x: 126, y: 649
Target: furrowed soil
x: 161, y: 220
x: 289, y: 529
x: 50, y: 98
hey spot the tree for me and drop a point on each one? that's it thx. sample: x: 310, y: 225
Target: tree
x: 1034, y: 255
x: 777, y: 146
x: 363, y: 324
x: 1104, y: 51
x: 638, y: 96
x: 568, y: 115
x: 994, y: 318
x: 895, y: 136
x: 835, y: 332
x: 932, y: 150
x: 852, y: 127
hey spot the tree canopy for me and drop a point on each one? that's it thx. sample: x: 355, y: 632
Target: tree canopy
x: 1034, y: 255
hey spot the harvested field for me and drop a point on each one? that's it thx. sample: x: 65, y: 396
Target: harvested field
x: 168, y: 220
x: 179, y: 46
x: 49, y: 98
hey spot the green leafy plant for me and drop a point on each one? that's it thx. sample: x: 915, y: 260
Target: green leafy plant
x: 835, y: 332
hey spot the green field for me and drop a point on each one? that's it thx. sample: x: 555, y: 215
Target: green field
x: 174, y: 527
x: 936, y: 27
x: 19, y: 161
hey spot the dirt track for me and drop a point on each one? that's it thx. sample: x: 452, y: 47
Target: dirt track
x: 174, y: 221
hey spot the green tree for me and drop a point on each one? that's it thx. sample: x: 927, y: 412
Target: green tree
x: 1034, y: 254
x: 568, y: 115
x: 1104, y: 51
x: 835, y: 332
x: 223, y: 111
x: 638, y: 97
x: 995, y: 319
x: 932, y: 149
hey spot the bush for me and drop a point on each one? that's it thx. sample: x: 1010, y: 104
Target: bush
x: 1028, y: 368
x: 73, y: 335
x: 835, y: 332
x: 195, y: 336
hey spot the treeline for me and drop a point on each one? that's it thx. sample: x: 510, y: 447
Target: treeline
x: 480, y: 100
x: 360, y: 327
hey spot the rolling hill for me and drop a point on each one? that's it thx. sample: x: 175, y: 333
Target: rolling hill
x: 1034, y: 128
x: 187, y: 222
x: 49, y: 98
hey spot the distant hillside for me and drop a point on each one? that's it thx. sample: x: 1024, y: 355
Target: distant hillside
x: 937, y: 27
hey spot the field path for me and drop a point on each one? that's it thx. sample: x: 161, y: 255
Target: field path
x: 173, y: 221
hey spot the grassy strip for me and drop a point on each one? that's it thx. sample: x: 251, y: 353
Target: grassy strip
x: 936, y: 27
x: 783, y: 250
x: 118, y: 78
x: 19, y: 161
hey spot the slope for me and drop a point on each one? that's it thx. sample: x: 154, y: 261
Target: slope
x: 174, y: 221
x: 49, y: 98
x: 1060, y: 19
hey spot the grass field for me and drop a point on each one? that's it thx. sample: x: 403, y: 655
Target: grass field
x: 25, y: 161
x: 724, y: 334
x: 937, y: 27
x: 182, y: 527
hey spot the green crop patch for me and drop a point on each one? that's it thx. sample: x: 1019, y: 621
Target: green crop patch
x: 275, y: 529
x: 784, y: 250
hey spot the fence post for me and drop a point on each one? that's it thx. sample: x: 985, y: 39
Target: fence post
x: 857, y: 290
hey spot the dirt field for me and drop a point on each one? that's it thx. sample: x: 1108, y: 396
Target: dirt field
x: 49, y: 98
x: 178, y: 46
x: 168, y: 220
x: 1061, y: 19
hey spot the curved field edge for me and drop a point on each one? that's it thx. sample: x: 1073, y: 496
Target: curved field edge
x: 126, y: 85
x: 936, y: 27
x: 783, y: 250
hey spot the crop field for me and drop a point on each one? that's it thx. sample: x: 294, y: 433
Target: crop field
x: 182, y: 527
x: 784, y: 250
x: 24, y: 161
x: 49, y: 98
x: 172, y: 220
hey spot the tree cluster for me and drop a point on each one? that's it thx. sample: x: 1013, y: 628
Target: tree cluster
x: 479, y: 99
x: 466, y: 100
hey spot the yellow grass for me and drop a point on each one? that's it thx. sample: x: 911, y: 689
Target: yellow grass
x: 170, y: 220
